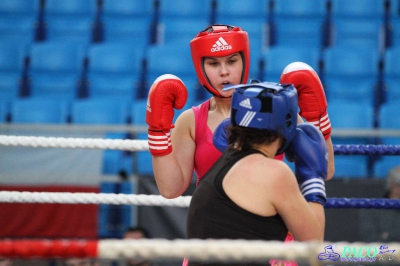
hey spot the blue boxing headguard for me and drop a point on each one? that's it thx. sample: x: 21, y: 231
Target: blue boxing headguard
x: 266, y: 105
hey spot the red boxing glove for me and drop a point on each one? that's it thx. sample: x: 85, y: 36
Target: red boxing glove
x: 312, y: 100
x: 166, y: 93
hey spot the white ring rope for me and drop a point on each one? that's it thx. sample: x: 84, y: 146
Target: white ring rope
x: 84, y: 143
x: 241, y: 250
x: 92, y: 198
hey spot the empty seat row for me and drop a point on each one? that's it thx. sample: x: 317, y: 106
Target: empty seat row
x: 130, y: 20
x: 120, y: 70
x: 85, y: 111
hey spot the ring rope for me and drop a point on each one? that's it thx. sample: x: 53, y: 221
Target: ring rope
x: 91, y: 198
x: 85, y: 143
x: 194, y: 249
x: 142, y: 145
x: 157, y: 200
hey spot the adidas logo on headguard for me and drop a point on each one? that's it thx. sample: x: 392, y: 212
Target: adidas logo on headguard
x: 246, y: 104
x: 220, y: 45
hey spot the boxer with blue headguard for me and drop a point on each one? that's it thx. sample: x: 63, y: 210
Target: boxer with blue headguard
x: 247, y: 186
x: 277, y: 113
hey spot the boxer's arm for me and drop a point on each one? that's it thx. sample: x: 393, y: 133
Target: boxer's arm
x: 308, y: 151
x: 331, y: 155
x: 291, y: 204
x: 174, y: 172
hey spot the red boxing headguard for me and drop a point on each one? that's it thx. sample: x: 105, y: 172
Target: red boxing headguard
x: 216, y: 41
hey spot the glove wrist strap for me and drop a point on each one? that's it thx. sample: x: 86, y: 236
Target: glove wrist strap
x: 313, y: 190
x: 323, y: 123
x: 159, y: 142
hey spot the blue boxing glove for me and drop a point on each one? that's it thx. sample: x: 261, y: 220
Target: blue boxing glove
x: 220, y: 137
x: 309, y: 153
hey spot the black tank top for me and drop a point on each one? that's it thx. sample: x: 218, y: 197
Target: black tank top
x: 212, y: 214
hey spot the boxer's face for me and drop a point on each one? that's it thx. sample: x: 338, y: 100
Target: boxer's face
x: 223, y: 71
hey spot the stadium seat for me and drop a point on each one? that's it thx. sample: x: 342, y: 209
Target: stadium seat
x: 127, y: 20
x: 99, y: 111
x: 171, y: 58
x: 180, y: 21
x: 123, y: 29
x: 392, y: 74
x: 388, y: 121
x: 300, y: 23
x: 181, y: 30
x: 4, y: 111
x: 39, y: 111
x: 358, y: 22
x: 73, y: 20
x: 113, y: 70
x: 56, y: 68
x: 351, y: 116
x: 143, y: 165
x: 253, y: 10
x: 277, y: 57
x: 392, y: 89
x: 18, y: 19
x: 350, y: 64
x: 174, y: 9
x: 358, y: 32
x: 117, y: 161
x: 13, y: 54
x: 358, y: 9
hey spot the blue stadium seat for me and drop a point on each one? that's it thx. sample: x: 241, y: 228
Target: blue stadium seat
x: 358, y: 32
x: 392, y: 74
x: 127, y: 20
x: 300, y: 23
x: 350, y: 64
x: 22, y: 29
x: 388, y: 121
x: 359, y: 8
x: 143, y: 165
x: 4, y: 111
x: 355, y: 116
x: 174, y: 9
x: 56, y: 69
x: 12, y: 67
x: 18, y: 8
x: 180, y: 21
x: 181, y: 30
x: 164, y: 59
x: 350, y: 115
x: 116, y: 161
x: 39, y: 111
x: 72, y: 19
x: 18, y: 19
x: 359, y: 22
x: 392, y: 89
x: 128, y: 29
x: 276, y: 58
x: 127, y: 8
x: 113, y: 70
x: 350, y: 89
x: 99, y: 111
x: 253, y: 10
